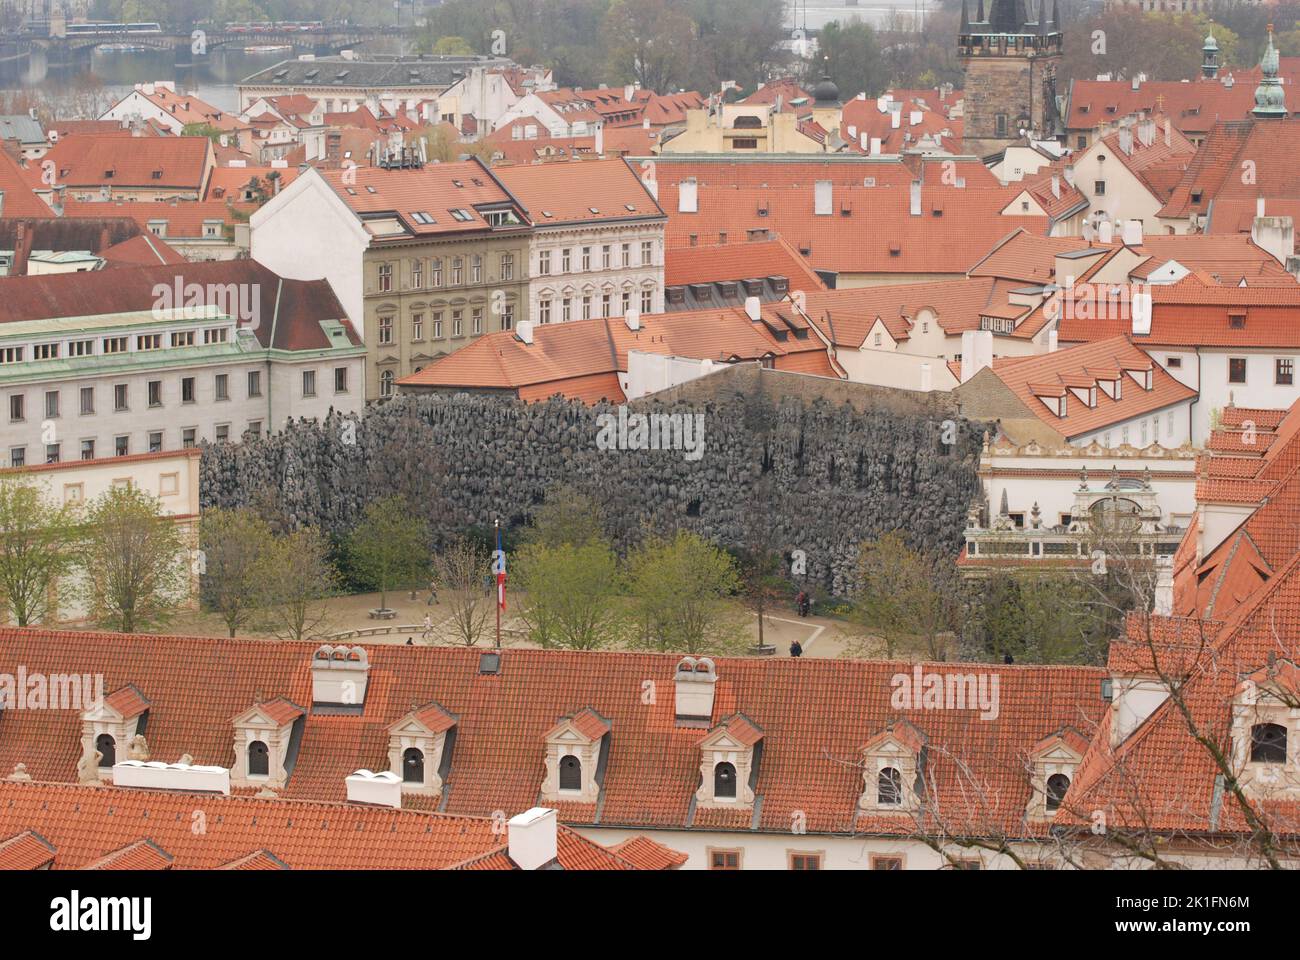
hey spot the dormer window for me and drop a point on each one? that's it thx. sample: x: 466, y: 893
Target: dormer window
x: 107, y: 748
x: 413, y: 766
x: 573, y: 751
x: 259, y: 762
x: 108, y: 724
x: 724, y: 781
x: 1268, y: 743
x: 1057, y: 786
x: 1052, y: 763
x: 262, y: 737
x: 889, y: 787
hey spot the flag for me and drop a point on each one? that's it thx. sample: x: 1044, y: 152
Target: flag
x: 501, y: 573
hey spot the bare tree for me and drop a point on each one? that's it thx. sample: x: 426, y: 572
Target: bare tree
x: 463, y: 570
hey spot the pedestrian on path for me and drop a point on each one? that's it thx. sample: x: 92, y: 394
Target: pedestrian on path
x: 428, y: 628
x: 796, y: 649
x: 433, y: 595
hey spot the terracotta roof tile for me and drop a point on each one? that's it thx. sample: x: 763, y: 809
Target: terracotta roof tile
x: 648, y: 854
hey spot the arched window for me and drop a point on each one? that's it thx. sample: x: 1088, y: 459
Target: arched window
x: 107, y: 746
x: 413, y: 765
x: 1267, y: 743
x: 889, y: 786
x: 724, y: 780
x: 259, y: 761
x: 1057, y: 784
x: 570, y: 773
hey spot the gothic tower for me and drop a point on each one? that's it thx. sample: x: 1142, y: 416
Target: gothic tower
x: 1010, y: 59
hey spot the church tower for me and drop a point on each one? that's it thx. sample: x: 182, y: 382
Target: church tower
x: 1270, y: 98
x: 1010, y: 59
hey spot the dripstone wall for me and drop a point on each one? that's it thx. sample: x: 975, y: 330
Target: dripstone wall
x: 838, y: 476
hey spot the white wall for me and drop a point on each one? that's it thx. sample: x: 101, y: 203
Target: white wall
x: 574, y: 284
x: 1170, y: 427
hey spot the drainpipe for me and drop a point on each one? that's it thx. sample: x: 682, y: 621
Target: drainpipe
x: 275, y: 319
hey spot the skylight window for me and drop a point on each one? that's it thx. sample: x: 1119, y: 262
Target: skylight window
x: 420, y: 216
x: 464, y: 216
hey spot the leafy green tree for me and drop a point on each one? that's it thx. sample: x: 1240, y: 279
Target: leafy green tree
x: 910, y: 599
x: 300, y: 580
x: 572, y: 594
x: 236, y: 550
x: 850, y: 55
x: 452, y: 47
x: 389, y: 547
x: 681, y: 589
x: 135, y: 563
x: 37, y: 537
x: 650, y: 41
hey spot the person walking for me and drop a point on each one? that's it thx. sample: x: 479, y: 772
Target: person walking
x: 433, y: 595
x: 796, y: 648
x: 428, y: 628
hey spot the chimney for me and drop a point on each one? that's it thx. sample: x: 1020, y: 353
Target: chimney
x: 532, y: 838
x: 22, y: 250
x: 1068, y: 173
x: 754, y: 308
x: 1259, y: 206
x: 600, y: 139
x: 693, y: 683
x: 976, y: 352
x: 1053, y: 343
x: 524, y: 331
x: 1140, y: 308
x: 171, y: 776
x: 633, y: 319
x: 1056, y: 186
x: 645, y: 124
x: 875, y: 146
x: 2, y: 203
x: 338, y: 676
x: 822, y: 198
x: 914, y: 198
x: 895, y: 119
x: 914, y: 118
x: 383, y: 789
x: 688, y: 196
x: 1105, y: 231
x: 629, y: 92
x: 1132, y: 233
x: 1274, y: 235
x: 1137, y: 82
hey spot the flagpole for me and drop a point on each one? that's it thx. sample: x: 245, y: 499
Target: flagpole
x: 497, y: 524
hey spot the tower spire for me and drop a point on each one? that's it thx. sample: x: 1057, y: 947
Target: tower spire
x: 1270, y: 98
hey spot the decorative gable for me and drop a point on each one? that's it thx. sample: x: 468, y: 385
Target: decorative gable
x: 729, y: 757
x: 892, y: 763
x: 419, y: 746
x: 573, y: 753
x: 1266, y: 732
x: 111, y: 731
x: 1052, y: 763
x: 263, y: 742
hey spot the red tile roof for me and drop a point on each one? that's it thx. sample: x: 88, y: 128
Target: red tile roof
x: 26, y: 851
x: 814, y: 715
x: 611, y: 190
x: 1219, y: 168
x: 184, y: 219
x: 847, y: 315
x: 20, y: 200
x: 153, y: 829
x: 648, y: 854
x: 1192, y: 107
x: 1052, y: 374
x: 715, y: 263
x: 152, y: 163
x: 141, y: 251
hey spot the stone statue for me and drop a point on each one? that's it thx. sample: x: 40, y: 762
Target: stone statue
x: 138, y: 748
x: 88, y: 767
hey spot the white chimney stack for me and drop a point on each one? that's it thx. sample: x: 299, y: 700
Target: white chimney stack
x: 339, y: 675
x: 926, y: 380
x: 629, y: 92
x: 754, y: 308
x: 914, y: 118
x: 153, y: 774
x: 533, y: 838
x: 524, y: 331
x: 1259, y: 206
x: 976, y: 352
x: 600, y: 139
x: 895, y: 119
x: 864, y: 141
x: 875, y: 146
x: 1132, y: 233
x: 383, y: 789
x: 822, y: 198
x: 1140, y: 307
x: 688, y: 196
x: 633, y: 319
x: 1105, y: 231
x: 693, y: 684
x: 1053, y: 340
x: 914, y: 198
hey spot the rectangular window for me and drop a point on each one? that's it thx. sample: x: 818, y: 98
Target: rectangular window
x: 155, y: 442
x: 120, y: 397
x: 114, y: 345
x: 627, y: 303
x: 1174, y: 363
x: 222, y: 386
x: 435, y: 272
x: 11, y: 354
x: 216, y: 335
x: 457, y: 271
x: 1284, y: 373
x: 647, y: 301
x: 458, y: 323
x: 604, y: 256
x: 45, y: 351
x: 385, y: 330
x: 627, y: 254
x: 417, y: 273
x: 586, y: 258
x: 340, y: 379
x: 417, y: 326
x: 255, y: 429
x: 1099, y: 188
x: 16, y: 407
x: 17, y: 456
x: 81, y: 348
x: 385, y: 277
x: 724, y: 859
x: 507, y: 266
x: 566, y: 311
x: 886, y: 863
x: 544, y: 311
x: 586, y: 307
x: 1000, y: 125
x: 189, y: 437
x: 87, y: 449
x: 155, y: 393
x: 437, y: 325
x: 508, y: 317
x: 647, y: 252
x: 187, y: 390
x: 53, y: 452
x: 805, y: 861
x: 223, y: 432
x: 544, y: 263
x: 148, y: 341
x: 51, y: 403
x: 476, y: 316
x: 184, y: 338
x: 254, y: 383
x: 476, y: 269
x: 87, y: 401
x: 1236, y: 369
x: 309, y: 383
x: 604, y: 304
x: 565, y: 264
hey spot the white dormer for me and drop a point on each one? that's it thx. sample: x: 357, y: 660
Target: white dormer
x: 573, y: 757
x: 416, y: 745
x: 109, y: 728
x: 262, y: 735
x: 1266, y: 732
x: 339, y: 675
x: 1052, y: 764
x: 890, y: 762
x: 693, y: 685
x: 728, y: 759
